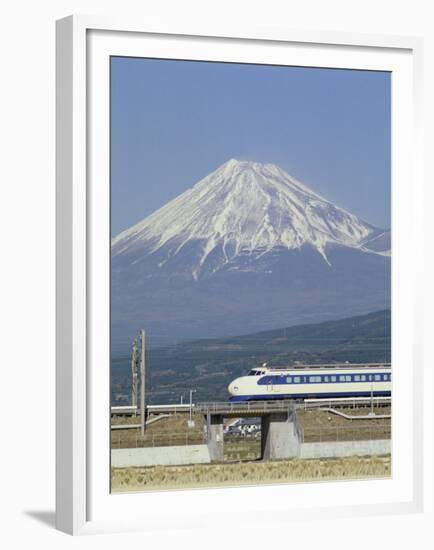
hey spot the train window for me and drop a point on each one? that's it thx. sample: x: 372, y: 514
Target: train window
x: 289, y: 379
x: 385, y: 377
x: 363, y: 377
x: 357, y: 378
x: 314, y: 379
x: 296, y: 380
x: 377, y: 377
x: 370, y: 377
x: 342, y: 378
x: 333, y: 378
x: 348, y: 378
x: 326, y: 378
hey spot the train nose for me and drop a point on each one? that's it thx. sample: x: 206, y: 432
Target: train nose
x: 233, y: 388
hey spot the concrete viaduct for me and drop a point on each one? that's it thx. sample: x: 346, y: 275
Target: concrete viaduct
x: 280, y: 431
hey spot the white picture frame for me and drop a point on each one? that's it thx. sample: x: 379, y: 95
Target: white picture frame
x: 83, y: 504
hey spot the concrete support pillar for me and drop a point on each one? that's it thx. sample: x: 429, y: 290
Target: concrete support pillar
x: 279, y: 437
x: 214, y: 425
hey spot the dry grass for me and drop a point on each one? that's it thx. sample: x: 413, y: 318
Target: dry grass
x: 176, y: 422
x: 249, y: 473
x: 236, y: 450
x: 317, y: 425
x: 325, y: 426
x: 171, y: 430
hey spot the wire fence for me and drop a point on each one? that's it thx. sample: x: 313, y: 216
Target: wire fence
x: 163, y: 439
x: 356, y: 432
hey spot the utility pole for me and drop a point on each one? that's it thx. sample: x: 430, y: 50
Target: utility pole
x: 191, y: 421
x: 142, y: 383
x: 134, y: 374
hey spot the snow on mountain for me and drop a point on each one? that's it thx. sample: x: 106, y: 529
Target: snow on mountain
x: 243, y: 208
x: 248, y: 248
x: 380, y: 243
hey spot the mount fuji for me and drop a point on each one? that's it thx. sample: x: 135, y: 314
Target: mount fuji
x: 247, y: 248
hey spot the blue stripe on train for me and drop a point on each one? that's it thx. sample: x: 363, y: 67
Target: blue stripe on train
x: 305, y: 395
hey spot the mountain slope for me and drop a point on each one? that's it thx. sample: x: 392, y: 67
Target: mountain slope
x: 243, y: 208
x: 379, y: 243
x: 209, y: 365
x: 246, y: 249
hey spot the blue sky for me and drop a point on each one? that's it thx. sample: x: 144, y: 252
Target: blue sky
x: 173, y: 122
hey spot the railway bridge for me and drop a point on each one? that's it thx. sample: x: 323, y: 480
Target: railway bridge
x: 281, y: 432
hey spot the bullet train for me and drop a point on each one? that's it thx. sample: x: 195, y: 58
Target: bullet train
x: 312, y: 381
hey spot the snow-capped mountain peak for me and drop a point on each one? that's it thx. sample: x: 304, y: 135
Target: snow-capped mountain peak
x: 243, y: 208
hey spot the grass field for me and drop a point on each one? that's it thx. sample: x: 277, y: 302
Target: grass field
x: 173, y: 430
x: 249, y: 473
x: 317, y: 426
x: 325, y: 426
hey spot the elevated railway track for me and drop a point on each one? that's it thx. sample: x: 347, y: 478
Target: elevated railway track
x: 252, y: 408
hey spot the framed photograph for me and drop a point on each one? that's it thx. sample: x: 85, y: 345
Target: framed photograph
x: 236, y: 281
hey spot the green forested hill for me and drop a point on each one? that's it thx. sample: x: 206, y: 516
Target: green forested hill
x: 209, y: 365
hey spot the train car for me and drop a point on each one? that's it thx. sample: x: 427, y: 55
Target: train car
x: 313, y: 381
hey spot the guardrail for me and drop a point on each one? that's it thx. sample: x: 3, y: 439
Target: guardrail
x: 244, y: 407
x: 213, y: 407
x: 352, y: 402
x: 275, y: 405
x: 151, y: 409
